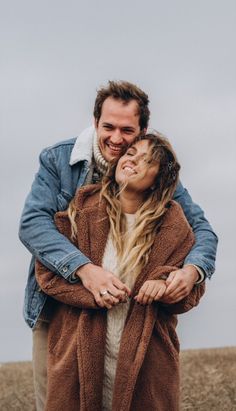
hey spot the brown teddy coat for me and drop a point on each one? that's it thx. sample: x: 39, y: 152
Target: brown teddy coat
x: 147, y: 376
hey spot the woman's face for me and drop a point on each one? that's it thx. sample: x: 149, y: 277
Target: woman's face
x: 135, y: 168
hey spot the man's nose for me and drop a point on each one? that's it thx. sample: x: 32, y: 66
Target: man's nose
x: 116, y: 137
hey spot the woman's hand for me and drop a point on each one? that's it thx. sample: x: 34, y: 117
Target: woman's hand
x: 151, y: 290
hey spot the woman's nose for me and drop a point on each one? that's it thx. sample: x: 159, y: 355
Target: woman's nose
x: 137, y: 158
x: 134, y: 159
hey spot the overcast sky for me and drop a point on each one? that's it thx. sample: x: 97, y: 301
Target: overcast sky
x: 54, y: 55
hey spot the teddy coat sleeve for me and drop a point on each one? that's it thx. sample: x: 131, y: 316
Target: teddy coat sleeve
x: 74, y: 294
x: 188, y: 302
x: 178, y: 238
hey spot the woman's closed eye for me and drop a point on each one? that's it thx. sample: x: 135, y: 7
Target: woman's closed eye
x: 130, y: 152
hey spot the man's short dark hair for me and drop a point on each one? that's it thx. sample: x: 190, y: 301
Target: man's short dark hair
x: 124, y: 91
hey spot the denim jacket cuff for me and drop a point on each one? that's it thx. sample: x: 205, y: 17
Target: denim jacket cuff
x: 68, y: 267
x: 201, y: 274
x: 203, y: 265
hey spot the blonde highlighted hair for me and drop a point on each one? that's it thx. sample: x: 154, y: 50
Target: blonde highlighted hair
x: 133, y: 248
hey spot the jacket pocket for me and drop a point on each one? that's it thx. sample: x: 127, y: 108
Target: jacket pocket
x: 62, y: 328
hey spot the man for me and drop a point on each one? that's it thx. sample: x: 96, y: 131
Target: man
x: 121, y: 112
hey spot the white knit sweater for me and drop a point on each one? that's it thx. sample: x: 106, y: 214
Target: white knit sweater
x: 116, y: 317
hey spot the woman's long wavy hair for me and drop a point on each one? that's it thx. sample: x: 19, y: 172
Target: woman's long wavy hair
x: 133, y: 248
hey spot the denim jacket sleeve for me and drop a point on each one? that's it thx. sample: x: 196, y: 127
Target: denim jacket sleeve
x: 37, y: 228
x: 203, y: 253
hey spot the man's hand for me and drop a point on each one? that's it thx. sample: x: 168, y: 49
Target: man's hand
x: 97, y: 280
x: 179, y: 284
x: 151, y: 290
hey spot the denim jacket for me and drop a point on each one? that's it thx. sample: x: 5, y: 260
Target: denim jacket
x: 63, y: 169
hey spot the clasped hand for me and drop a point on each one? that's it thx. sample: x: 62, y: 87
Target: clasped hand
x: 108, y: 290
x: 177, y: 286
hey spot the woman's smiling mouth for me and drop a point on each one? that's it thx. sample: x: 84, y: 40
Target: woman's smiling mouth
x: 129, y: 169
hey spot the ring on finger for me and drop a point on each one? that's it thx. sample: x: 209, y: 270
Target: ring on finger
x: 103, y: 293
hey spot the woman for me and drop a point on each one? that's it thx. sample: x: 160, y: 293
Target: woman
x: 126, y: 357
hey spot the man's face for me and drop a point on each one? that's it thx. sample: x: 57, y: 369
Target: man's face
x: 117, y: 127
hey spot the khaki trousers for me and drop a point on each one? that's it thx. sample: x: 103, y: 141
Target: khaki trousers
x: 40, y: 338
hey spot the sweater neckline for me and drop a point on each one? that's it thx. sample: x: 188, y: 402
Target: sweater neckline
x: 100, y: 161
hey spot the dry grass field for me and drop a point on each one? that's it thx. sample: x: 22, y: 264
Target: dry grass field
x: 208, y: 382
